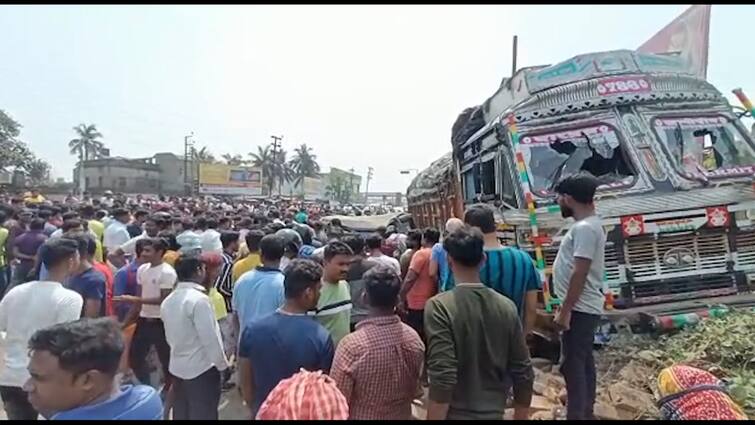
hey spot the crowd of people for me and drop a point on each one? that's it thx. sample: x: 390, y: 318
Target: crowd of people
x: 306, y: 320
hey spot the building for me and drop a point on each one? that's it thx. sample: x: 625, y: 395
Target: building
x: 166, y: 173
x: 162, y: 173
x: 121, y: 175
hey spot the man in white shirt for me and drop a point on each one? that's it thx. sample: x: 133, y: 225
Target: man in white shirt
x: 150, y: 230
x: 210, y: 236
x: 374, y: 242
x: 197, y: 356
x: 29, y: 307
x: 155, y: 280
x: 116, y: 234
x: 189, y: 241
x: 578, y: 282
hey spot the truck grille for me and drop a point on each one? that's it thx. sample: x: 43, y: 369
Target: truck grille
x: 712, y: 285
x: 611, y: 261
x: 746, y: 249
x: 645, y: 256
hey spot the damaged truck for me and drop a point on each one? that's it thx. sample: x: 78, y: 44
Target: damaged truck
x: 674, y: 160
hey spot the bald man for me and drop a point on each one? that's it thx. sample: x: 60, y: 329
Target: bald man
x: 439, y: 270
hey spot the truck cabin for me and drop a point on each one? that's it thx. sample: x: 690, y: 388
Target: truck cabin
x: 675, y: 162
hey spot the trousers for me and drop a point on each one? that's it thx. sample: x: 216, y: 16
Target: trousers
x: 198, y: 398
x: 148, y: 333
x: 578, y: 365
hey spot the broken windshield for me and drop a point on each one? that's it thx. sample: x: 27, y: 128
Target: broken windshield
x: 597, y: 150
x: 705, y: 147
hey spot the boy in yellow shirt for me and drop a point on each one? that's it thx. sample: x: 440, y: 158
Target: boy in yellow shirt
x: 252, y: 260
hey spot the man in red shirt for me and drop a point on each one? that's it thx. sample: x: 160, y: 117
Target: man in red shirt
x: 377, y: 367
x: 108, y: 273
x: 419, y: 286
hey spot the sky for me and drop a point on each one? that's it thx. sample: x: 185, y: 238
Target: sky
x: 363, y: 86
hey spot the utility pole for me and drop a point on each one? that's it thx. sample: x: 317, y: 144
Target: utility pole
x: 188, y: 146
x: 351, y: 182
x: 367, y: 185
x: 276, y: 145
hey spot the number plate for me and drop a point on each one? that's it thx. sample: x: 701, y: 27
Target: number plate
x: 618, y: 85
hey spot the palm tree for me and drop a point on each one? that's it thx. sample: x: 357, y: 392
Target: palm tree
x: 304, y: 164
x: 263, y: 159
x: 203, y: 155
x: 233, y: 159
x: 86, y: 146
x: 282, y: 170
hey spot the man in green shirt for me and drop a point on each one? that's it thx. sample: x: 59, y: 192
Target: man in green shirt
x: 334, y: 305
x: 474, y: 342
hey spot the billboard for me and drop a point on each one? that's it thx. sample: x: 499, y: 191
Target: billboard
x: 223, y: 179
x: 687, y: 37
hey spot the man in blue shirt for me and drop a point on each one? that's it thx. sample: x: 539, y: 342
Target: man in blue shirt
x: 507, y: 270
x: 276, y: 346
x: 73, y: 370
x: 259, y: 292
x: 439, y: 269
x: 124, y: 283
x: 87, y: 281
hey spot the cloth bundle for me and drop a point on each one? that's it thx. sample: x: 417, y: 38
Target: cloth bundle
x: 688, y: 393
x: 305, y: 396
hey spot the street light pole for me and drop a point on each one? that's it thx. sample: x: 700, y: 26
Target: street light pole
x: 367, y: 185
x: 276, y: 144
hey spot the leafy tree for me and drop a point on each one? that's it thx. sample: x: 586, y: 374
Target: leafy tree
x: 13, y: 152
x: 38, y: 171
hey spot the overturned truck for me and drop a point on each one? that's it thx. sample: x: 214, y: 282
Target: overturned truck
x: 675, y: 162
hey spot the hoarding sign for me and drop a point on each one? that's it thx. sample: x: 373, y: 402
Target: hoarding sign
x: 223, y: 179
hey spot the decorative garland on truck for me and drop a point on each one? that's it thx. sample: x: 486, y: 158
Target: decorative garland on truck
x: 548, y: 299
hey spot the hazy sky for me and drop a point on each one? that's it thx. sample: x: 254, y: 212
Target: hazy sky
x: 363, y: 85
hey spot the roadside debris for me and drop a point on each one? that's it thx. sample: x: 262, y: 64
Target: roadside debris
x: 629, y: 364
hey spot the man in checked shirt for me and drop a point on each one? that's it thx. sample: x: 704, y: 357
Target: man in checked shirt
x: 378, y: 366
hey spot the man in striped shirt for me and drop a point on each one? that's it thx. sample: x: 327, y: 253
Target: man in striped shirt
x: 507, y: 270
x: 224, y: 281
x: 224, y: 286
